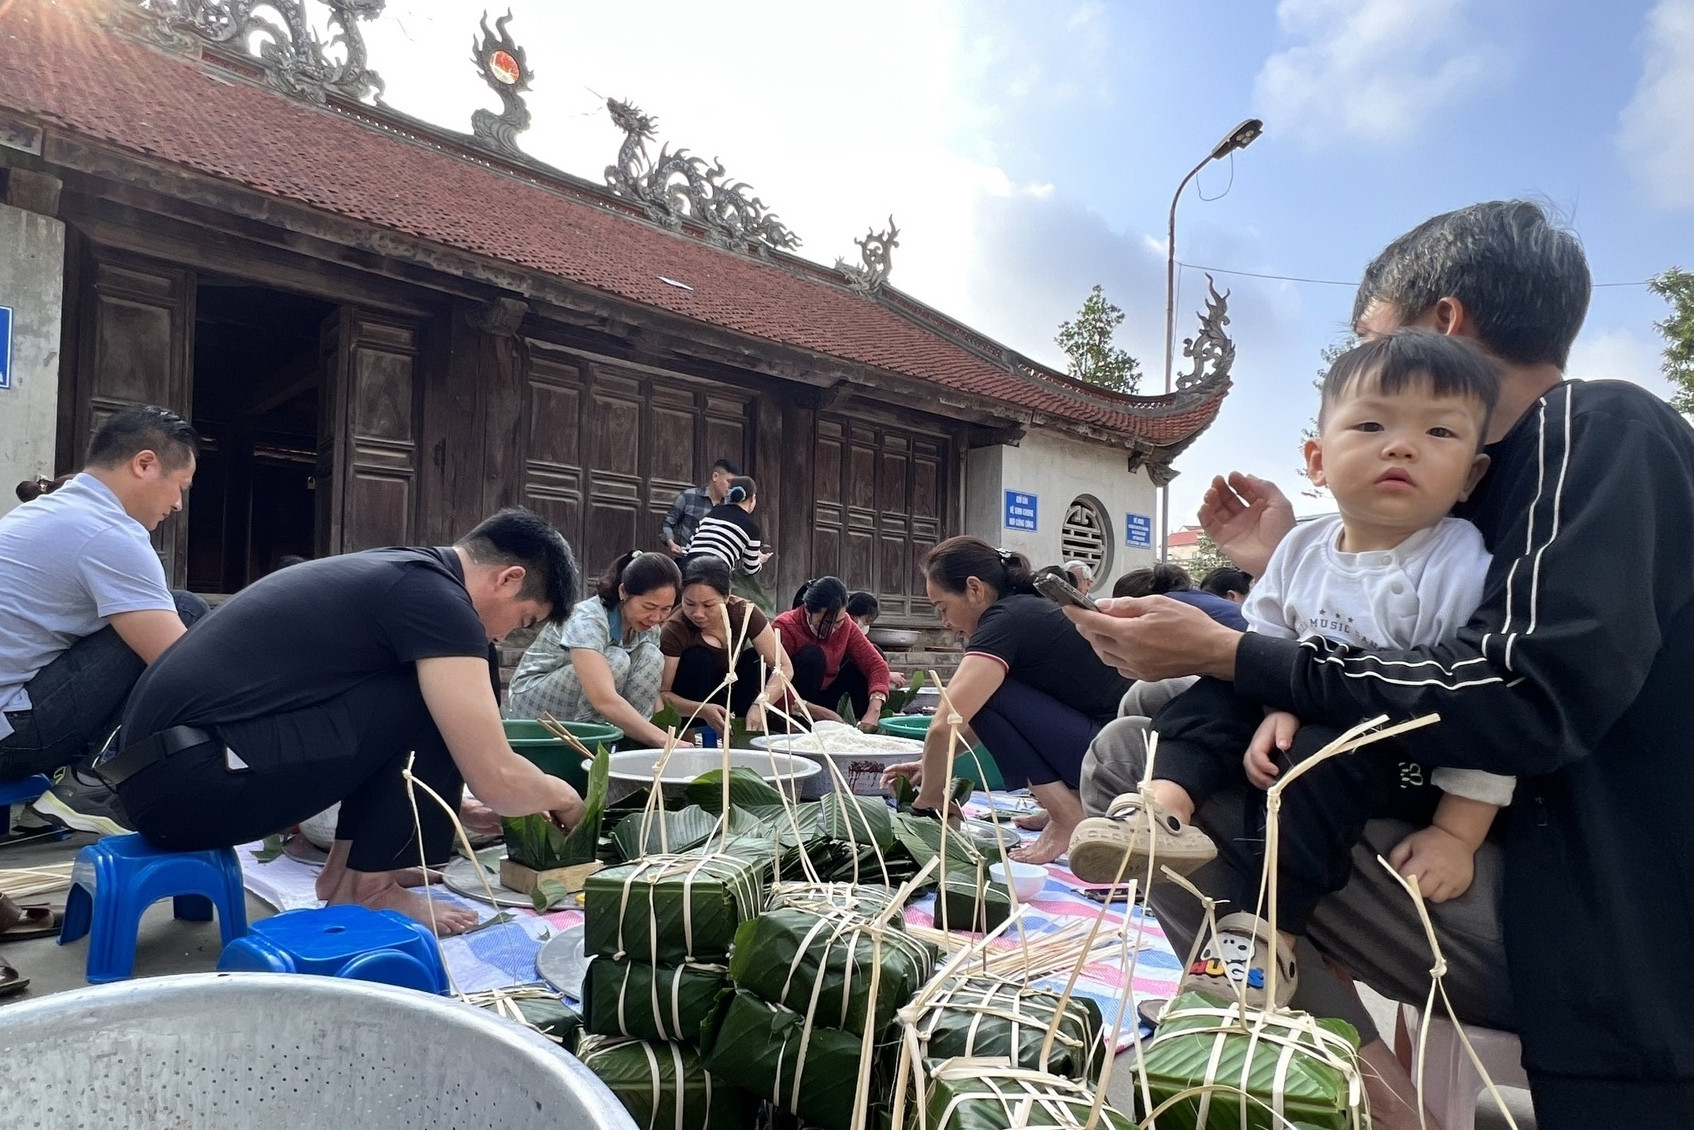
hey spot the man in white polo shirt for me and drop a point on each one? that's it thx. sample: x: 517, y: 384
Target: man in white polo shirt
x: 84, y: 606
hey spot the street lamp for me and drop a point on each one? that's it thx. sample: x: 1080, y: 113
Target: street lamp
x: 1240, y: 137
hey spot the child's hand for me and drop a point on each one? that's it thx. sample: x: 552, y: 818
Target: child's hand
x: 1275, y: 733
x: 1442, y: 863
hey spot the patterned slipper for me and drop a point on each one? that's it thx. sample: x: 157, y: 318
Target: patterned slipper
x: 1099, y: 844
x: 1241, y: 954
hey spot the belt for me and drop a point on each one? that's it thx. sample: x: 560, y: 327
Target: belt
x: 150, y: 750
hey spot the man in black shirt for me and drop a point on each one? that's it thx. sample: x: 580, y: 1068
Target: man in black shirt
x: 319, y: 683
x: 1572, y: 674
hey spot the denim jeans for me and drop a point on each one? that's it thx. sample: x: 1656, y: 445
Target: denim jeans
x: 77, y: 700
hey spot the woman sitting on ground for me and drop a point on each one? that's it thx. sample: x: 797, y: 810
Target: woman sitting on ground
x: 728, y: 531
x: 603, y: 663
x: 831, y: 656
x: 1029, y: 686
x: 696, y: 643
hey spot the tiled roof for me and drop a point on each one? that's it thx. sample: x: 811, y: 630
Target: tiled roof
x: 64, y: 72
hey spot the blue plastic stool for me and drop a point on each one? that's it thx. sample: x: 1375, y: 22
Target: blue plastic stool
x: 22, y: 792
x: 114, y: 880
x: 342, y: 941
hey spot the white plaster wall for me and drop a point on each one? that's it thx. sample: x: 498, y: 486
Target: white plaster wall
x: 32, y: 274
x: 1056, y: 469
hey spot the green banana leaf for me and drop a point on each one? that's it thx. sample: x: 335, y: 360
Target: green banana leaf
x: 682, y: 830
x: 538, y: 843
x: 670, y: 909
x: 664, y: 1086
x: 969, y: 1095
x: 663, y: 1002
x: 746, y: 790
x: 971, y: 903
x: 1314, y: 1093
x: 984, y: 1016
x: 865, y: 900
x: 900, y: 697
x: 821, y: 966
x: 547, y: 1013
x: 767, y: 1050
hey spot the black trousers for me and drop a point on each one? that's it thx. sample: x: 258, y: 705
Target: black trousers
x: 351, y: 749
x: 700, y: 669
x: 1203, y: 733
x: 809, y: 668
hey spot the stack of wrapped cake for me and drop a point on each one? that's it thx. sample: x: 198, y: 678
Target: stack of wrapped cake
x: 658, y: 934
x: 818, y: 980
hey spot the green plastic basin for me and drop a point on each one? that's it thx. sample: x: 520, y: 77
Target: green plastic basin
x: 530, y: 740
x: 975, y: 765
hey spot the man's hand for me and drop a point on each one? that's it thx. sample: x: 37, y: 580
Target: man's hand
x: 1247, y: 517
x: 1442, y: 862
x: 1275, y: 733
x: 675, y: 548
x: 1155, y: 637
x: 571, y: 813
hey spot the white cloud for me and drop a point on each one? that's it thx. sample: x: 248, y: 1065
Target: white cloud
x: 1369, y: 70
x: 1656, y: 134
x: 1618, y: 354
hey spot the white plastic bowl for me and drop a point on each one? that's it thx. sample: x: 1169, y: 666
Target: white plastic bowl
x: 859, y: 757
x: 1026, y: 880
x: 633, y: 768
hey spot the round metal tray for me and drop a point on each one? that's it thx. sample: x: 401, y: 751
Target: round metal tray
x: 461, y: 878
x: 562, y: 962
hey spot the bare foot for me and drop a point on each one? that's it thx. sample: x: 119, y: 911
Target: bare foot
x: 1048, y: 846
x: 378, y: 890
x: 1032, y: 821
x: 335, y: 869
x: 414, y: 876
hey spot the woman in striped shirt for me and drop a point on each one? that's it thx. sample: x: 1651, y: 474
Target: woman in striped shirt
x: 728, y: 530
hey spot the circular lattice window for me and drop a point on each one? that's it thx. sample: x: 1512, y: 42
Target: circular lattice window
x: 1085, y: 536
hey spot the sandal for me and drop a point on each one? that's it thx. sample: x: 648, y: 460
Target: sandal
x: 1142, y: 829
x: 1239, y: 955
x: 11, y: 981
x: 18, y: 922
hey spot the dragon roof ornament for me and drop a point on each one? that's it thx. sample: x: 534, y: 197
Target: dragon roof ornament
x: 678, y: 186
x: 1211, y: 347
x: 295, y: 60
x: 876, y: 259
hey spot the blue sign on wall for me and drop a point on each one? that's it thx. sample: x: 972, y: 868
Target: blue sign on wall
x: 5, y: 347
x: 1020, y: 510
x: 1138, y: 531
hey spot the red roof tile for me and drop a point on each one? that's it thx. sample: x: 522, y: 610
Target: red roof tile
x: 57, y: 68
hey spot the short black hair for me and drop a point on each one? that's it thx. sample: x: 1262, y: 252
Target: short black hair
x: 128, y: 432
x: 1415, y: 359
x: 516, y: 536
x: 1524, y: 281
x: 729, y: 465
x: 862, y: 603
x: 1226, y: 579
x: 1164, y: 577
x: 741, y: 488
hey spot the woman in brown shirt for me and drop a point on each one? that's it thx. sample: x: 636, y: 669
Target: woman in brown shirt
x: 697, y: 653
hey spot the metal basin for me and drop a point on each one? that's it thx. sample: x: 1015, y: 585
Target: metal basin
x: 283, y: 1051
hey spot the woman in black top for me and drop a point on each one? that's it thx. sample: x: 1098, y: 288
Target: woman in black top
x: 1029, y: 686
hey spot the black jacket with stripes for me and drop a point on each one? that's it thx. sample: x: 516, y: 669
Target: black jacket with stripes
x: 1577, y: 675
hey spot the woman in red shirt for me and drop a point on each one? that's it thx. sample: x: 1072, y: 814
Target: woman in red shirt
x: 831, y: 656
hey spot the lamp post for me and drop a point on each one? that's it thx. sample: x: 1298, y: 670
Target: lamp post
x: 1240, y: 137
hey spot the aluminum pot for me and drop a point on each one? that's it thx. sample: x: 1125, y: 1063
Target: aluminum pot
x: 282, y: 1051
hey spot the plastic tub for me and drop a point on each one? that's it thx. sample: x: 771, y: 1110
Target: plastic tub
x: 268, y: 1051
x: 975, y: 765
x: 555, y: 756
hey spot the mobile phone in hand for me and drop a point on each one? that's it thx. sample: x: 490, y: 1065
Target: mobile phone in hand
x: 1060, y: 591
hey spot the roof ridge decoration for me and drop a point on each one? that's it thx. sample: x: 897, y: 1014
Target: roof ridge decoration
x: 294, y: 59
x: 679, y: 186
x: 876, y: 258
x: 1211, y: 346
x: 503, y: 66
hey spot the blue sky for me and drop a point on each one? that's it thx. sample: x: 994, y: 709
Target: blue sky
x: 1029, y: 151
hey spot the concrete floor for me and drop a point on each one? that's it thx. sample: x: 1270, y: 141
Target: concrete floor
x: 167, y: 946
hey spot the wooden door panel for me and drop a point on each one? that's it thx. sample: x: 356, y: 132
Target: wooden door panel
x: 368, y: 450
x: 136, y: 343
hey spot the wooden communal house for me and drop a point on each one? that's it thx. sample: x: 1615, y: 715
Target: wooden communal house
x: 386, y: 329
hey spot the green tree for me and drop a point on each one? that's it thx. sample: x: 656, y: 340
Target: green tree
x: 1310, y: 431
x: 1088, y: 343
x: 1676, y: 286
x: 1207, y: 556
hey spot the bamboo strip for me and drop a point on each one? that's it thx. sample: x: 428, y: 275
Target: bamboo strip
x: 22, y: 882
